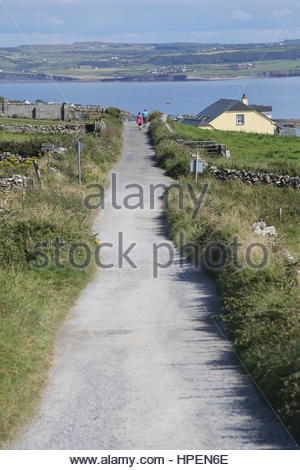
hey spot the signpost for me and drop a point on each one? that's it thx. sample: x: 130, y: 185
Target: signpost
x: 78, y: 147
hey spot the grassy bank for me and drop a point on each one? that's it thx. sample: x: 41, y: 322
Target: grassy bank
x: 275, y: 154
x: 34, y: 301
x: 261, y: 304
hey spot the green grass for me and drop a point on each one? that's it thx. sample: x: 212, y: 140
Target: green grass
x: 261, y: 305
x: 34, y: 122
x: 34, y: 302
x: 175, y: 160
x: 255, y: 151
x: 231, y: 71
x: 28, y: 145
x: 16, y: 137
x: 21, y: 138
x: 32, y: 306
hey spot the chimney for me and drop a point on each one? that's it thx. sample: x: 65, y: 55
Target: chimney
x: 245, y: 99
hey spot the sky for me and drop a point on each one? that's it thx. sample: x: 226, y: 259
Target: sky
x: 144, y: 21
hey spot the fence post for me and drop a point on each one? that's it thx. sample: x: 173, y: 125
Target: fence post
x: 38, y: 173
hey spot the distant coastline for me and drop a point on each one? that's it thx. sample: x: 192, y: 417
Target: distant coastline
x: 138, y: 79
x: 102, y: 62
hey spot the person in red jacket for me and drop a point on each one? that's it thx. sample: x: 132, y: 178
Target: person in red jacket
x: 139, y: 120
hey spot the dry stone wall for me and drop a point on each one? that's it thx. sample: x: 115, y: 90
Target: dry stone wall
x: 39, y: 110
x: 44, y: 128
x: 13, y: 182
x: 254, y: 177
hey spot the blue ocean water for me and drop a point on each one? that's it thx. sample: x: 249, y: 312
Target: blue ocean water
x: 171, y: 97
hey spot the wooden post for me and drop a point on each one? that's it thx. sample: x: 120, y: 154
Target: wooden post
x: 79, y: 162
x: 196, y: 166
x: 38, y: 173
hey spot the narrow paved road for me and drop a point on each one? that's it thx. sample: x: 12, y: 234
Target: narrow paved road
x: 139, y: 363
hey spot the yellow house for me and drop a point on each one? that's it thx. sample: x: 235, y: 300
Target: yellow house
x: 235, y: 115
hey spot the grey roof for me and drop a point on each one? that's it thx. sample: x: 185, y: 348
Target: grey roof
x: 195, y: 122
x: 261, y: 108
x: 211, y: 112
x: 220, y: 107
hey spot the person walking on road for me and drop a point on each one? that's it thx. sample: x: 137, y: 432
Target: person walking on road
x: 145, y: 116
x: 140, y: 120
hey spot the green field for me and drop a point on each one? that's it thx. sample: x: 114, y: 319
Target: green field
x: 254, y: 151
x: 153, y: 61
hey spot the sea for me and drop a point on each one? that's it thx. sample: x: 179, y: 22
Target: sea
x: 187, y: 97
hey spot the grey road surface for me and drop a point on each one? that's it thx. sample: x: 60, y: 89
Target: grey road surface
x: 139, y: 363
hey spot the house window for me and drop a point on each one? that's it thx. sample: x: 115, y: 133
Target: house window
x: 240, y: 119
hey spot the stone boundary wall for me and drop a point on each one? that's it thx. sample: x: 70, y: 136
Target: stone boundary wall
x: 73, y: 112
x: 13, y: 182
x: 57, y: 111
x: 44, y: 129
x: 254, y: 177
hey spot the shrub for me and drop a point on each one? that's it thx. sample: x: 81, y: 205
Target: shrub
x: 158, y: 131
x: 154, y: 115
x: 114, y: 112
x: 173, y: 157
x: 30, y: 147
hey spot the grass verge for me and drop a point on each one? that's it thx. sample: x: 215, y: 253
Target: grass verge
x: 33, y: 302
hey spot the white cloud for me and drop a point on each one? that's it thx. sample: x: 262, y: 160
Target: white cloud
x: 240, y: 15
x: 283, y: 13
x: 56, y: 21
